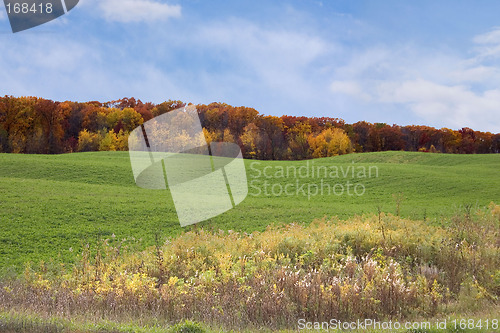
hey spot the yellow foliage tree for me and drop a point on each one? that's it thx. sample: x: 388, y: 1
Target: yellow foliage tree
x: 122, y: 141
x: 88, y: 141
x: 212, y: 136
x: 228, y: 136
x: 108, y: 142
x: 112, y: 141
x: 250, y: 140
x: 128, y: 119
x: 330, y: 142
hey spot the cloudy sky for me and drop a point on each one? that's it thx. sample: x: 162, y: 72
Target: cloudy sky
x: 421, y: 62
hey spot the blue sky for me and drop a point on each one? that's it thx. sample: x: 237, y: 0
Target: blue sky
x: 431, y: 63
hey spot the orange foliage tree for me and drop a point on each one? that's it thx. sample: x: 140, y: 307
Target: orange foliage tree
x: 37, y: 125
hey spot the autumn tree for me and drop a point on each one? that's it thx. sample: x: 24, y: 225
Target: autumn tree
x: 214, y: 116
x: 37, y: 125
x: 74, y: 121
x: 374, y: 141
x: 272, y: 140
x: 484, y: 142
x: 88, y: 141
x: 145, y: 110
x: 495, y: 143
x: 391, y: 138
x: 450, y: 140
x: 417, y: 137
x: 228, y: 136
x: 20, y: 122
x: 239, y: 118
x: 122, y: 103
x: 468, y: 141
x: 112, y: 141
x: 250, y: 141
x: 361, y: 131
x: 298, y: 143
x: 212, y: 136
x: 126, y: 119
x: 290, y: 122
x: 91, y: 119
x: 167, y: 106
x: 52, y: 116
x: 330, y: 142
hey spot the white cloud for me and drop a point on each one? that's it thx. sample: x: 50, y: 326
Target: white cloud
x: 281, y: 62
x: 274, y: 69
x: 475, y: 74
x: 42, y: 66
x: 235, y: 61
x: 135, y: 10
x: 488, y: 45
x: 457, y: 106
x: 2, y: 15
x: 349, y: 88
x: 280, y: 47
x: 492, y: 37
x: 443, y: 89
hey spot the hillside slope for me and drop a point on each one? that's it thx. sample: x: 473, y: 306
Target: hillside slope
x: 50, y: 205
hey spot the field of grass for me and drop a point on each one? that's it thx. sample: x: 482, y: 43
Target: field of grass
x: 51, y: 205
x: 317, y: 240
x: 378, y: 267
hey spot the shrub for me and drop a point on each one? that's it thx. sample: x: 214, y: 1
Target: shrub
x: 187, y: 326
x: 328, y: 269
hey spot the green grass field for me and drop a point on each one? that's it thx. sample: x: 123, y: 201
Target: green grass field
x: 52, y: 204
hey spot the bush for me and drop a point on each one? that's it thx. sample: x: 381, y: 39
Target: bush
x: 367, y: 267
x: 187, y: 326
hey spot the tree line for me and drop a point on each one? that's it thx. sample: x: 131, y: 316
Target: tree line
x: 36, y: 125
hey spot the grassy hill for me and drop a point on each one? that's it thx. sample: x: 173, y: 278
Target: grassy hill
x: 51, y: 205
